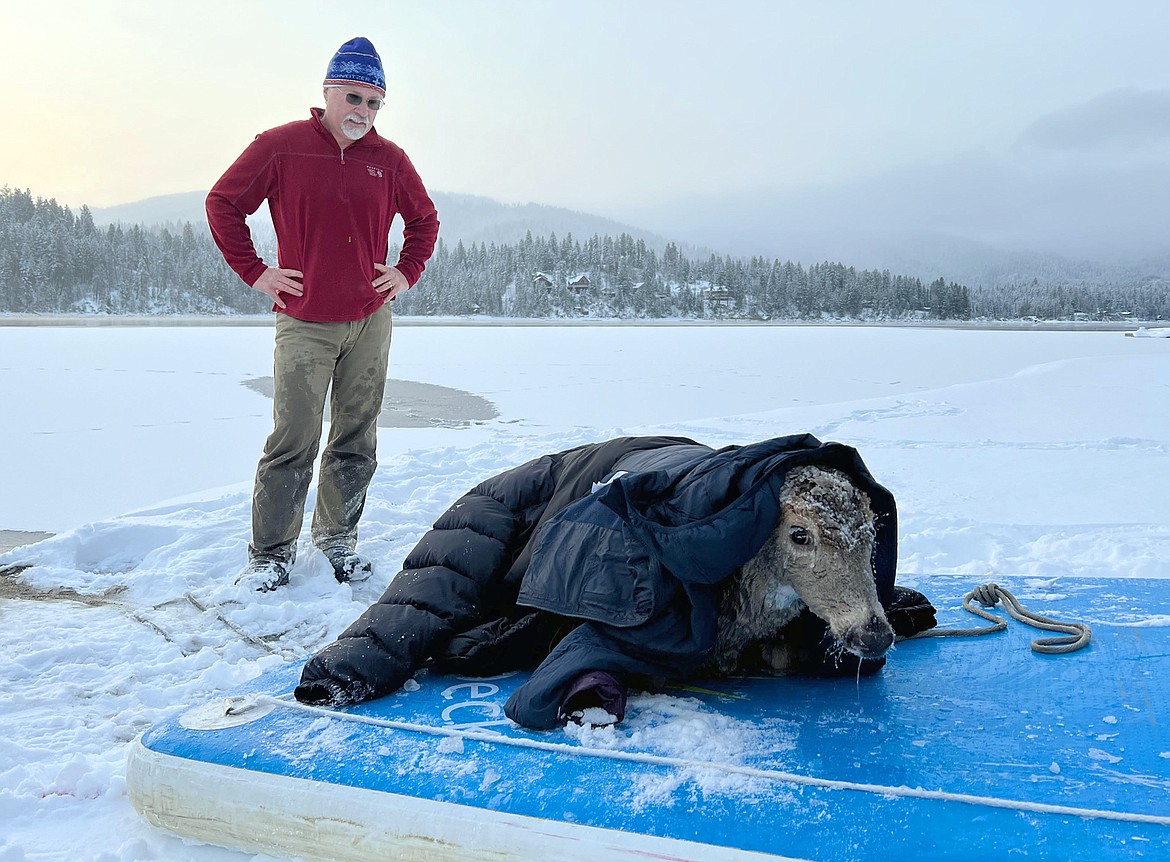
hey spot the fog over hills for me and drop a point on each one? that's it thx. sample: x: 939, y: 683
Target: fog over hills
x: 976, y: 223
x: 1081, y: 195
x: 464, y: 218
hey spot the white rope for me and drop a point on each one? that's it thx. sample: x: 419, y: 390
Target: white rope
x: 1076, y: 635
x: 683, y: 763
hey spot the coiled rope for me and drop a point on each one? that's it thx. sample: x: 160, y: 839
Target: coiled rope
x: 1076, y: 635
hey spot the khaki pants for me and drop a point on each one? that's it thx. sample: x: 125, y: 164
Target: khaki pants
x: 310, y: 359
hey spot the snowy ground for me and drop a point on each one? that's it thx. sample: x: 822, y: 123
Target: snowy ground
x: 1011, y: 455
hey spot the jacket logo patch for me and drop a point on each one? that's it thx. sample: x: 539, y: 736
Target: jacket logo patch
x: 374, y: 172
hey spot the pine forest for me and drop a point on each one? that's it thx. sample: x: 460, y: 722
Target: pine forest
x: 56, y: 262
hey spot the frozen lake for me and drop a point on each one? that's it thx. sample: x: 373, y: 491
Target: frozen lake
x: 1023, y: 457
x: 105, y: 420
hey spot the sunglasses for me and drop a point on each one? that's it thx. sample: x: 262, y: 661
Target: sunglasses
x: 355, y: 100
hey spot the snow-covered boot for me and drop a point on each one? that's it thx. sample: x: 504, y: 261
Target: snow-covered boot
x: 264, y: 574
x: 347, y: 564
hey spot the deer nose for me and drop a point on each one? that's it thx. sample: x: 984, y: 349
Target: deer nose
x: 873, y: 639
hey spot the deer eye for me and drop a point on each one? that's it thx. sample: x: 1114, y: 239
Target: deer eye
x: 799, y: 535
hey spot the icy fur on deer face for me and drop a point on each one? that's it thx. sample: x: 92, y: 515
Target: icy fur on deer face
x: 819, y: 557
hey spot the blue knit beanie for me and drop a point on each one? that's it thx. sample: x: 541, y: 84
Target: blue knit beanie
x: 356, y: 62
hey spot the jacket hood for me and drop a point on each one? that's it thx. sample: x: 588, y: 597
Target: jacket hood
x: 705, y: 521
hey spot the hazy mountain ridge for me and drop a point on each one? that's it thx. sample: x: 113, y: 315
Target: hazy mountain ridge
x: 987, y: 219
x: 464, y: 218
x: 926, y: 255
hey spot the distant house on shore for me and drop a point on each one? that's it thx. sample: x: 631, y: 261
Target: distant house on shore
x: 718, y: 295
x: 542, y: 280
x: 579, y: 283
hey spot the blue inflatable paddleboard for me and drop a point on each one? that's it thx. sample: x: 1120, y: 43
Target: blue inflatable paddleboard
x: 960, y: 749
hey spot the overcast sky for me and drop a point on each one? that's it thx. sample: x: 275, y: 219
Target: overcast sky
x: 671, y: 115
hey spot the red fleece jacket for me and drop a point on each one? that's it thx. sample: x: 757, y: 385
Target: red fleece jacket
x: 332, y: 210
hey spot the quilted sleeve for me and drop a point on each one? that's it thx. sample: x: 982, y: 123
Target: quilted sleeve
x: 452, y: 581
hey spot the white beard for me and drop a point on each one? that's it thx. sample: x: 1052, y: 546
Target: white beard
x: 356, y: 131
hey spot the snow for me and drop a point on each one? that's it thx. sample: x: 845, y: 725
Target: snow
x: 1012, y: 455
x: 682, y: 728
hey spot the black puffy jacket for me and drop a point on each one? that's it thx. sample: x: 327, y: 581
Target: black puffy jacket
x: 607, y: 557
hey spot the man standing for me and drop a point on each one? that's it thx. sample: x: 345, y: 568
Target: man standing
x: 333, y: 186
